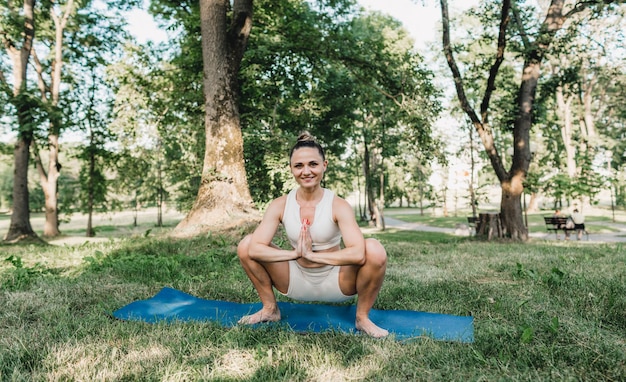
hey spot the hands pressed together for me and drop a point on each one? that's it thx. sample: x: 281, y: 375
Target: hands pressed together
x: 305, y: 243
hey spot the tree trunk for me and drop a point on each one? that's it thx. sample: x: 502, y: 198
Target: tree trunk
x: 472, y: 192
x: 533, y: 203
x: 160, y: 198
x: 380, y: 217
x: 49, y: 184
x: 91, y: 186
x: 223, y: 197
x: 564, y: 110
x: 49, y: 178
x: 511, y: 213
x: 20, y: 227
x: 369, y: 195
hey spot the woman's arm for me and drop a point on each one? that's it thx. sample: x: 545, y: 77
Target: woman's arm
x: 260, y: 244
x: 353, y: 252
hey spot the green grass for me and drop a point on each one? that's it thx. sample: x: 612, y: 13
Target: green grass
x: 599, y: 222
x: 542, y: 311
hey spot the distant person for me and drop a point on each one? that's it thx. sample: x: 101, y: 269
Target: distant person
x: 558, y: 214
x: 579, y: 222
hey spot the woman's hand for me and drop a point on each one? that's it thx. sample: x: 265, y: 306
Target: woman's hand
x: 305, y: 243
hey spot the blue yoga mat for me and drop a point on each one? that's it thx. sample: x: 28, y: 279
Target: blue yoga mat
x: 173, y: 305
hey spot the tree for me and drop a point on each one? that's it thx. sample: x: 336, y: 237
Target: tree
x: 75, y: 27
x: 223, y: 196
x: 18, y: 43
x: 533, y: 53
x: 50, y: 94
x: 50, y: 53
x: 578, y: 100
x: 94, y: 156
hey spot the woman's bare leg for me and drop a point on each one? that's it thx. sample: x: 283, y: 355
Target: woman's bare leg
x: 366, y: 281
x: 263, y: 276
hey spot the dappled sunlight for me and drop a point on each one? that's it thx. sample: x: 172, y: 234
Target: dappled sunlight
x: 235, y: 363
x: 324, y: 372
x: 320, y: 364
x: 101, y: 361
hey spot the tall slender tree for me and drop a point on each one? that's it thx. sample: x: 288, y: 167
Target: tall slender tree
x: 50, y: 94
x: 18, y: 43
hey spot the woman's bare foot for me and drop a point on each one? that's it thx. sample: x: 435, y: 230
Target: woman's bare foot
x: 370, y: 328
x: 263, y: 315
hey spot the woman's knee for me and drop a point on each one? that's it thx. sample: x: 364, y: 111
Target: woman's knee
x: 243, y: 247
x: 375, y: 252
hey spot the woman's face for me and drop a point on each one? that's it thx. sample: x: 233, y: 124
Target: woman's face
x: 307, y: 166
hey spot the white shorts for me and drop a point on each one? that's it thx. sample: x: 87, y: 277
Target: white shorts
x: 314, y: 284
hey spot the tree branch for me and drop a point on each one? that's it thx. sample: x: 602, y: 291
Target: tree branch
x: 41, y: 84
x: 493, y: 71
x: 456, y: 73
x: 582, y: 5
x: 520, y: 27
x: 481, y: 127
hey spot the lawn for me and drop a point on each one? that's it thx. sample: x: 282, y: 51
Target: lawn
x: 598, y: 220
x: 542, y: 311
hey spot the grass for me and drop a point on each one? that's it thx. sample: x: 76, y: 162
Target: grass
x: 599, y: 221
x: 542, y: 311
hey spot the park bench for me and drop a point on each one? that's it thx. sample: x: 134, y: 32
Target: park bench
x: 557, y: 223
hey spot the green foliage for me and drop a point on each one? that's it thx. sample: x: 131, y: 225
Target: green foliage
x: 304, y: 69
x: 167, y: 262
x: 20, y: 276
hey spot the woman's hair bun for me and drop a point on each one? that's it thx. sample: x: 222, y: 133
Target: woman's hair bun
x: 305, y: 139
x: 305, y: 136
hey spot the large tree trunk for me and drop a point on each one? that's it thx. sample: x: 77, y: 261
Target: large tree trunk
x: 20, y: 227
x: 223, y: 197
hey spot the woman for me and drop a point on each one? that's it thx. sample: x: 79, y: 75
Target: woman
x: 317, y: 268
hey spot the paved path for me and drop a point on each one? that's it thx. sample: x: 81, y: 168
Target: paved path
x: 619, y: 236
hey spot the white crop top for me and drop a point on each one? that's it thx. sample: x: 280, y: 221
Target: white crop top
x: 324, y: 230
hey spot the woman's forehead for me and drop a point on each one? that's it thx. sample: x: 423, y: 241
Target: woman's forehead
x: 305, y: 154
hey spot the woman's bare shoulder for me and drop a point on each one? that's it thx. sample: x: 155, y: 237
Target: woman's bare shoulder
x: 276, y: 207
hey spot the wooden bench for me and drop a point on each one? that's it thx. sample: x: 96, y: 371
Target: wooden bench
x: 557, y: 223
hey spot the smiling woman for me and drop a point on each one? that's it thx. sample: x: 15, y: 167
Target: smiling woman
x: 317, y: 268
